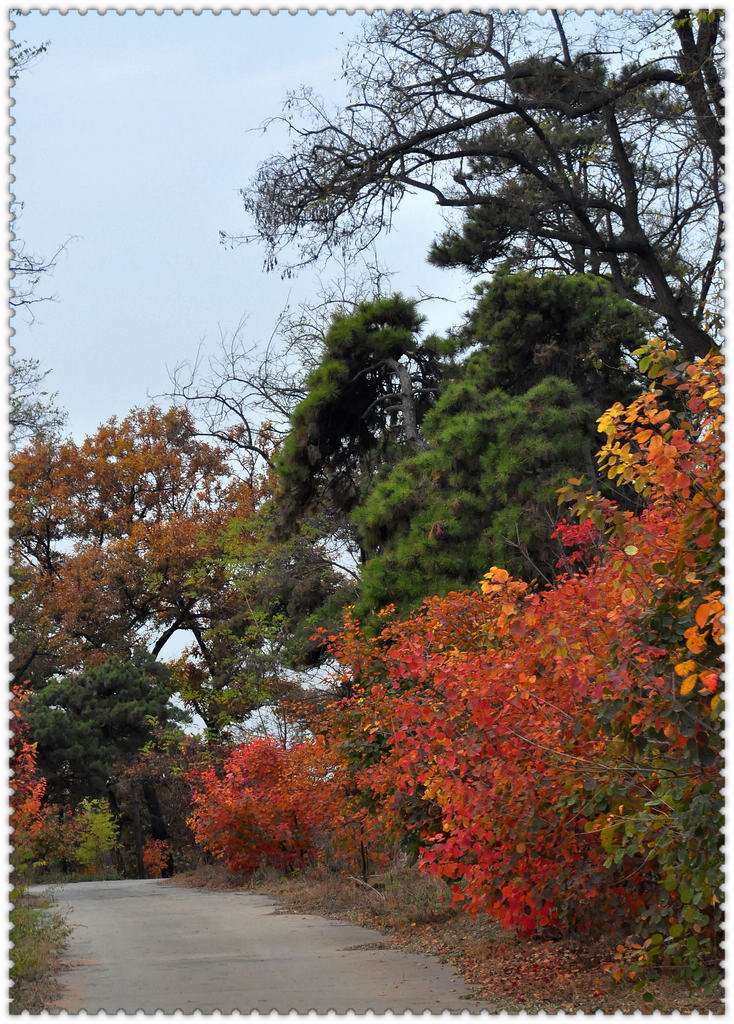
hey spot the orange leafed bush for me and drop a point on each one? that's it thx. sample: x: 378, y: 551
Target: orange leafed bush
x: 28, y: 815
x: 156, y: 855
x: 270, y: 805
x: 557, y: 752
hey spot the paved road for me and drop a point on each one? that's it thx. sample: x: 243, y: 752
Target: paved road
x: 146, y: 945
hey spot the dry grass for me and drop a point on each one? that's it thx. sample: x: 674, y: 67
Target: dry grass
x: 513, y: 974
x: 208, y: 876
x: 393, y: 900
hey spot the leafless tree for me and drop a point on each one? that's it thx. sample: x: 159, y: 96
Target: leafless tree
x: 33, y: 410
x: 243, y: 393
x: 27, y: 269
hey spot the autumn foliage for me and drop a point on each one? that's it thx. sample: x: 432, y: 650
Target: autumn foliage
x: 556, y: 753
x: 119, y: 542
x: 553, y: 753
x: 156, y: 857
x: 269, y: 804
x: 44, y: 836
x: 28, y: 816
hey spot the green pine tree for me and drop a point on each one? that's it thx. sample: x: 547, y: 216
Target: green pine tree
x: 546, y: 356
x: 365, y: 404
x: 87, y: 722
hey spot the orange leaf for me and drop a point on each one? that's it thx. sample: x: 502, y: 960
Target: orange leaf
x: 706, y: 610
x: 695, y: 642
x: 710, y: 681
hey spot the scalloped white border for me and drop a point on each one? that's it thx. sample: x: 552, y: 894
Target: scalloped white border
x: 292, y: 8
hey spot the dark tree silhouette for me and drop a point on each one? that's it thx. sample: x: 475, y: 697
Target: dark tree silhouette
x: 579, y: 143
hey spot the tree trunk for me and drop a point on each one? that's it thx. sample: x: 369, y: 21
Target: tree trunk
x: 407, y: 399
x: 138, y: 832
x: 158, y: 826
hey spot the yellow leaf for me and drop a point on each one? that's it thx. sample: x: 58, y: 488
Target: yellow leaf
x: 688, y: 683
x: 684, y: 668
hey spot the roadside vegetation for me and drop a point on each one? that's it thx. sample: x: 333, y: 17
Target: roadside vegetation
x: 39, y: 936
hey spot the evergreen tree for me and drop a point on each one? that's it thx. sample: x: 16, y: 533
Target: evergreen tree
x: 365, y: 404
x: 87, y: 722
x: 547, y: 356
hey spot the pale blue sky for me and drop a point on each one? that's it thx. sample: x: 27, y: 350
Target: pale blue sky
x: 133, y: 134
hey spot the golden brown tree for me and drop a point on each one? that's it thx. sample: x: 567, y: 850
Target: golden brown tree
x: 119, y: 542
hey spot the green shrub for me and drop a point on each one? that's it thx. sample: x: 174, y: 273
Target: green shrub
x: 98, y: 835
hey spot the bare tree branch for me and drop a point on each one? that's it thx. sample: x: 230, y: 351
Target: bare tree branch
x: 561, y: 150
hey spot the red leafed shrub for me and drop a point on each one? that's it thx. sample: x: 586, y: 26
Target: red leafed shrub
x: 557, y: 752
x: 487, y: 726
x: 156, y: 856
x: 28, y: 815
x: 270, y: 805
x: 581, y: 542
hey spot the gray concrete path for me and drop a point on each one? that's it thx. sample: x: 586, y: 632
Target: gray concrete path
x: 147, y: 945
